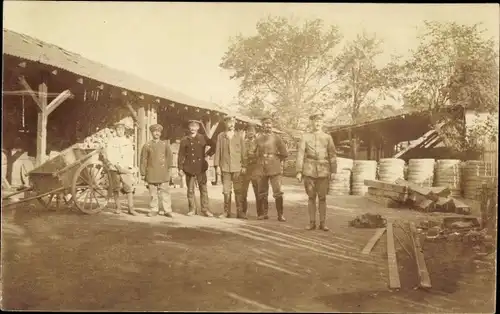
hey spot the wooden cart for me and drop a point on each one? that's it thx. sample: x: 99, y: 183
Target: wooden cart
x: 78, y: 177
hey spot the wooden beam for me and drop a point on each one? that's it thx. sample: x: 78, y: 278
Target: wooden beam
x: 80, y: 80
x: 132, y: 111
x: 22, y: 64
x: 54, y: 72
x: 30, y: 91
x: 58, y: 100
x: 213, y: 128
x: 101, y: 87
x: 41, y: 132
x: 423, y: 273
x: 141, y: 123
x: 371, y: 243
x: 394, y: 282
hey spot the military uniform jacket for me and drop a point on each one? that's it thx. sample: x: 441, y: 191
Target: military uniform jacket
x: 316, y: 156
x: 191, y: 156
x: 230, y: 153
x: 156, y: 161
x: 270, y: 151
x: 252, y: 166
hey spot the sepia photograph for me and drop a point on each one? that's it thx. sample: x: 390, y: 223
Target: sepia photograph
x: 249, y: 157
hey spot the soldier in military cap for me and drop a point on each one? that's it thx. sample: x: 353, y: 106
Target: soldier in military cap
x: 229, y: 161
x: 156, y: 166
x: 316, y: 163
x: 193, y: 165
x: 270, y: 151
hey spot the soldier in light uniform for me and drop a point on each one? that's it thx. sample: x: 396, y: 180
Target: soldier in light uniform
x: 270, y: 151
x: 156, y: 166
x: 193, y: 165
x: 229, y: 161
x: 119, y: 153
x: 252, y: 171
x: 316, y: 163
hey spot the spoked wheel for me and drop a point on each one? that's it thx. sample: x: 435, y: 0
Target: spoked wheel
x: 91, y: 188
x: 54, y: 200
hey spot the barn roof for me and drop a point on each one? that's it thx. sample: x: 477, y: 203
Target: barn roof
x: 29, y: 48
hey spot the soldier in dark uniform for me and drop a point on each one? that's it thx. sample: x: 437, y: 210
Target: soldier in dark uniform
x: 252, y: 171
x: 316, y: 163
x: 156, y: 166
x: 270, y: 152
x: 192, y: 163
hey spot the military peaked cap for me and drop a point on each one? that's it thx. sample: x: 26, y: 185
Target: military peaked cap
x: 264, y: 119
x: 317, y: 116
x: 229, y: 118
x: 156, y: 127
x: 194, y: 121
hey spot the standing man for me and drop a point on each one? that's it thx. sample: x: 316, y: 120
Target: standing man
x: 252, y: 172
x: 229, y: 161
x: 156, y: 166
x: 270, y: 151
x: 191, y: 163
x: 119, y: 153
x: 316, y: 163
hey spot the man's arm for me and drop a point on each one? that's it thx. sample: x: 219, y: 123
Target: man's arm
x: 181, y: 154
x: 218, y: 147
x: 144, y: 160
x: 332, y: 154
x: 282, y: 151
x: 301, y: 153
x: 169, y: 155
x: 244, y: 156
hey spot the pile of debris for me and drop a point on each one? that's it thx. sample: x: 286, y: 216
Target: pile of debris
x: 403, y: 193
x: 368, y: 221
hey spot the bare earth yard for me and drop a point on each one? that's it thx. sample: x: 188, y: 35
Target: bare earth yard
x: 64, y: 260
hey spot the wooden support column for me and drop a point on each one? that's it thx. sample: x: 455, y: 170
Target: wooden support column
x: 142, y: 129
x: 41, y: 129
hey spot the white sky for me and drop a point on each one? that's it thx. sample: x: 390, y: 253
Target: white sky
x: 180, y: 45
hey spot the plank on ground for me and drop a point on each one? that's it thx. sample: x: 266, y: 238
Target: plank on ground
x: 394, y: 282
x: 374, y: 239
x: 423, y: 273
x: 386, y: 186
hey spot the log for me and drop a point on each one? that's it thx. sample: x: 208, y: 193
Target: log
x: 374, y: 239
x: 381, y: 185
x: 423, y: 273
x: 424, y: 191
x: 392, y: 263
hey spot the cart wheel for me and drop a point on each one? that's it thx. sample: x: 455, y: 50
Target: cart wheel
x: 90, y: 188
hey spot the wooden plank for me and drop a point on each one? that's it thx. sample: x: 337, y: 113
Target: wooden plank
x: 424, y: 191
x: 58, y: 100
x: 374, y: 239
x: 394, y: 282
x: 401, y: 197
x: 441, y: 191
x: 445, y: 204
x: 401, y: 188
x: 423, y: 273
x: 384, y: 201
x: 41, y: 130
x: 425, y: 205
x: 419, y: 141
x: 460, y: 207
x: 30, y: 91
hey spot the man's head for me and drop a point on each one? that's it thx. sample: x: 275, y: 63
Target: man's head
x: 230, y: 123
x: 193, y: 126
x: 120, y: 129
x: 250, y: 131
x: 316, y: 121
x: 156, y: 130
x: 267, y: 125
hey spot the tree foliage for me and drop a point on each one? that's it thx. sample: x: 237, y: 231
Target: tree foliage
x: 286, y: 69
x: 361, y: 83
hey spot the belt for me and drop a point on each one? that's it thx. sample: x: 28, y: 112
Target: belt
x: 268, y: 155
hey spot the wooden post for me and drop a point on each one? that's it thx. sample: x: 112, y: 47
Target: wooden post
x: 41, y: 129
x: 141, y: 132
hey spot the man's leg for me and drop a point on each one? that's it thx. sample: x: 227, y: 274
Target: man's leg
x: 153, y: 199
x: 227, y: 186
x: 322, y: 185
x: 244, y: 184
x: 237, y: 178
x: 128, y: 188
x: 278, y: 196
x: 202, y: 184
x: 190, y: 194
x: 165, y: 199
x: 255, y: 187
x: 310, y: 187
x: 263, y: 196
x: 115, y: 186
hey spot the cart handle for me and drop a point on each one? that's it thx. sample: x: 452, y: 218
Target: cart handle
x: 77, y: 163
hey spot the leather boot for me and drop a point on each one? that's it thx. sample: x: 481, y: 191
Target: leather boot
x: 130, y: 200
x: 227, y: 206
x: 118, y: 206
x: 312, y: 225
x: 240, y: 212
x: 244, y: 206
x: 279, y: 208
x: 322, y: 215
x: 263, y: 205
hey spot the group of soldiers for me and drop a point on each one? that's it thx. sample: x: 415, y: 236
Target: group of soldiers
x: 239, y: 160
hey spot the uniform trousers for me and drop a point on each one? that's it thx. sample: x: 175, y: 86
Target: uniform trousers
x: 316, y: 188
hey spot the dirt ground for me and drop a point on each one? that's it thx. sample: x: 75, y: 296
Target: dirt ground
x: 64, y: 260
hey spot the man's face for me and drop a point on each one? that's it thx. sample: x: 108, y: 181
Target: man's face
x: 317, y: 124
x: 156, y: 134
x: 193, y: 128
x: 250, y: 133
x: 230, y: 125
x: 268, y: 126
x: 120, y: 130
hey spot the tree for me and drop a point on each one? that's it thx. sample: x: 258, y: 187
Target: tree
x: 285, y: 70
x: 361, y: 83
x: 454, y: 65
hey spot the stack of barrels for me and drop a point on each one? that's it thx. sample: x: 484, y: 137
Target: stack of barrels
x: 421, y: 171
x: 474, y: 174
x: 448, y: 174
x: 391, y: 169
x: 362, y: 170
x: 341, y: 181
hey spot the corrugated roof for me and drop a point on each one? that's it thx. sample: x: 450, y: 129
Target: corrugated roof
x: 30, y: 48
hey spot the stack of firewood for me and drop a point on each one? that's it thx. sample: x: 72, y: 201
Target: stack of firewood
x: 403, y: 194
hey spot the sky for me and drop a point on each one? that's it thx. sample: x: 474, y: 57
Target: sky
x: 180, y: 45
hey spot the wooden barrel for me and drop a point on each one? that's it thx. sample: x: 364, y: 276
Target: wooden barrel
x: 362, y: 170
x: 391, y: 169
x: 421, y: 171
x: 448, y: 174
x: 341, y: 181
x: 474, y: 174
